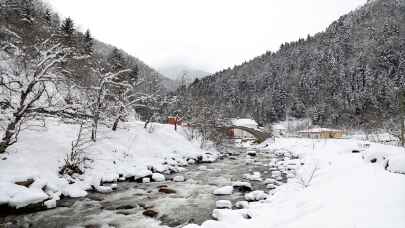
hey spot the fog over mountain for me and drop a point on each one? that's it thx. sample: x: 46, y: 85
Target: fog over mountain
x: 176, y: 71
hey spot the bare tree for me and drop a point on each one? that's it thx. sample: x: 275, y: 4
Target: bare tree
x: 102, y: 94
x: 30, y: 82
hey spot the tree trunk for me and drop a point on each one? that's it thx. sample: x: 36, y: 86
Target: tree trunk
x: 115, y: 125
x: 94, y: 130
x: 147, y: 122
x: 10, y: 132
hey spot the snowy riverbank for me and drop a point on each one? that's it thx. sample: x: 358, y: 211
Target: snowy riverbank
x: 130, y: 152
x: 347, y: 189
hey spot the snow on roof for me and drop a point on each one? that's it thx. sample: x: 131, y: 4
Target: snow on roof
x: 279, y: 127
x: 319, y: 130
x: 244, y: 122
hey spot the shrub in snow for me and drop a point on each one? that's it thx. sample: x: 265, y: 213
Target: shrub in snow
x: 242, y: 204
x: 227, y: 190
x: 306, y: 174
x: 256, y: 196
x: 178, y: 179
x: 74, y: 160
x: 222, y: 204
x: 158, y: 177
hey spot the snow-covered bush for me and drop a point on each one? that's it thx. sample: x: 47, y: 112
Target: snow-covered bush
x: 305, y: 174
x: 73, y: 162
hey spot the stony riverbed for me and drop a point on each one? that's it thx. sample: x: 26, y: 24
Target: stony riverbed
x: 146, y: 205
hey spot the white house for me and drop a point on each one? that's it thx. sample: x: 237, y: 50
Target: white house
x: 279, y: 129
x: 321, y: 133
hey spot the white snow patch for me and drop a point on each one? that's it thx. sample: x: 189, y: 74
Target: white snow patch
x: 158, y: 177
x: 226, y: 190
x: 222, y: 204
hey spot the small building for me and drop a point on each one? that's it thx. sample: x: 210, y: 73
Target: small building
x: 279, y: 129
x: 321, y: 133
x: 174, y: 120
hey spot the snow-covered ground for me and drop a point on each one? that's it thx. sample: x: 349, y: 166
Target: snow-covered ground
x: 348, y: 189
x: 337, y: 183
x: 131, y: 151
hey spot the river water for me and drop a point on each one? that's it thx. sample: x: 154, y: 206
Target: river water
x: 192, y: 201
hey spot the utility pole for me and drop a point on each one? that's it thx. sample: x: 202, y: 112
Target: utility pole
x: 401, y: 115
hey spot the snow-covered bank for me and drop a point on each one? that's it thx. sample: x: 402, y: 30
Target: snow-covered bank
x: 347, y: 189
x: 130, y: 152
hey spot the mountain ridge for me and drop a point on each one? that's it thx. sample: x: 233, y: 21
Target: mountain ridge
x: 334, y: 77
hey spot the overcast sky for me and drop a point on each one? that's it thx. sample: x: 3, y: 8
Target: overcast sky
x: 205, y: 34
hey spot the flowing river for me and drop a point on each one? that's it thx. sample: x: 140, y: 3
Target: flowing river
x: 191, y: 201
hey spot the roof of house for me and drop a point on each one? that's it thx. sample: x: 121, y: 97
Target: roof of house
x: 319, y: 130
x: 279, y: 127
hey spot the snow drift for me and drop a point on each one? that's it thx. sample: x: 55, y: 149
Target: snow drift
x: 129, y: 152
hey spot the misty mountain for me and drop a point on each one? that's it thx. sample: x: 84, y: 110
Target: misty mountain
x: 350, y: 74
x: 176, y: 72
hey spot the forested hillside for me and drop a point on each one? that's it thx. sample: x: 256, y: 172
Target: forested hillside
x: 350, y: 74
x: 49, y: 68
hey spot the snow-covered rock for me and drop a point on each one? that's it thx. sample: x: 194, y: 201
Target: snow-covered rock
x: 275, y: 173
x: 271, y: 186
x: 290, y: 175
x: 178, y: 179
x: 138, y: 173
x: 242, y: 204
x: 50, y: 203
x: 256, y: 196
x: 256, y: 176
x: 123, y: 154
x: 251, y: 153
x: 269, y: 181
x: 158, y: 177
x: 221, y: 204
x: 146, y: 180
x: 19, y: 196
x: 103, y: 189
x: 396, y: 164
x: 226, y: 190
x: 242, y: 186
x: 202, y: 168
x: 74, y: 190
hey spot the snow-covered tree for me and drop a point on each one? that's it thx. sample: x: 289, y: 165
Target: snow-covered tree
x: 30, y: 85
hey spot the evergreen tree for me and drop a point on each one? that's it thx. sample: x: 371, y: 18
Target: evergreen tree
x: 88, y: 42
x: 67, y: 27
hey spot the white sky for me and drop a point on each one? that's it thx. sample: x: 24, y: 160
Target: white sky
x: 205, y: 34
